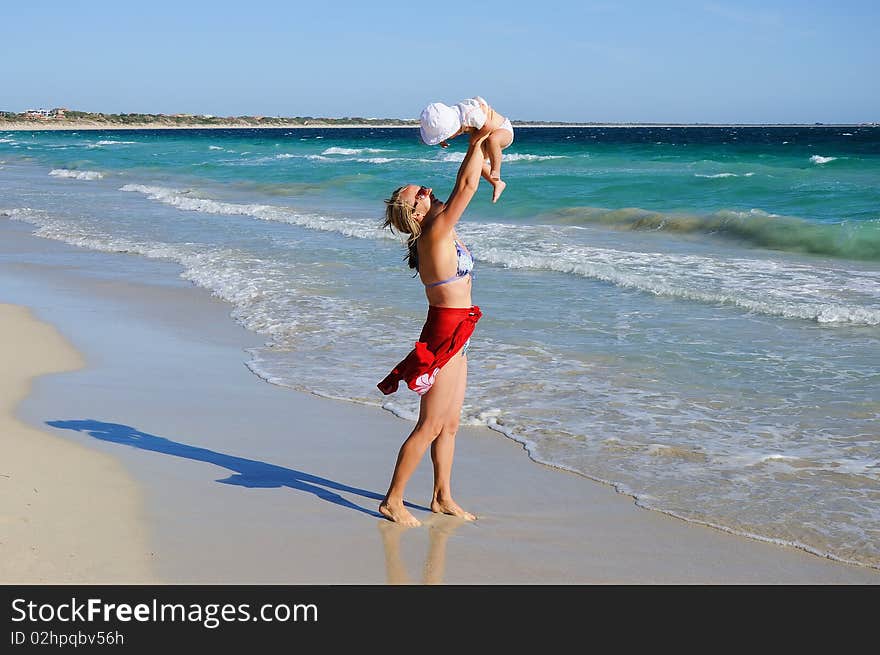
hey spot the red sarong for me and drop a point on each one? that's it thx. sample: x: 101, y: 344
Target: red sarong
x: 446, y: 330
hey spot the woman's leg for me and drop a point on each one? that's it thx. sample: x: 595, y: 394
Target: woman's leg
x: 443, y: 451
x: 432, y: 414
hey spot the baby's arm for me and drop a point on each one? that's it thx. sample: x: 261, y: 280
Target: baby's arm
x: 461, y: 130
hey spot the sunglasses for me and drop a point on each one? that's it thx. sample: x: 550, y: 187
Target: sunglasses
x: 421, y: 193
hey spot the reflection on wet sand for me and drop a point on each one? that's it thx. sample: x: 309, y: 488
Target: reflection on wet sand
x: 440, y: 528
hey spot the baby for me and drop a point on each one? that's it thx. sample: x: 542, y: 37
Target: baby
x: 439, y: 123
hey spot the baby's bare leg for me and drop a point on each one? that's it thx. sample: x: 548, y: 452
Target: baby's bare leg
x: 485, y: 173
x: 493, y: 178
x: 494, y: 143
x: 486, y: 170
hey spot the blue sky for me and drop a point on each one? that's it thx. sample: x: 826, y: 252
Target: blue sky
x: 680, y: 61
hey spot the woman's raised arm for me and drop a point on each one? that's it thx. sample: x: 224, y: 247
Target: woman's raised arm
x: 465, y: 184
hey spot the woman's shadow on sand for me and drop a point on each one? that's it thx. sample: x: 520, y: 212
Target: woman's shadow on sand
x: 246, y: 472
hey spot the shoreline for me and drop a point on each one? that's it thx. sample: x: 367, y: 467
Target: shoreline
x: 82, y: 127
x: 68, y: 515
x: 247, y: 482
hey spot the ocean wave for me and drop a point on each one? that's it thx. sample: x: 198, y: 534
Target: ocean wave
x: 353, y: 151
x: 456, y: 157
x: 76, y: 175
x: 226, y: 272
x: 848, y: 240
x: 743, y: 283
x: 377, y: 160
x: 252, y: 284
x: 185, y: 200
x: 819, y: 159
x: 109, y: 142
x: 6, y: 140
x: 717, y: 175
x: 523, y: 156
x: 214, y: 148
x: 270, y: 158
x: 514, y: 156
x: 325, y: 158
x: 182, y: 200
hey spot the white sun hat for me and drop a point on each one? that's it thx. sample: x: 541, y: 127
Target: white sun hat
x: 438, y: 122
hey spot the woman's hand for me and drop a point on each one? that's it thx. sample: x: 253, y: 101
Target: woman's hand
x: 478, y: 136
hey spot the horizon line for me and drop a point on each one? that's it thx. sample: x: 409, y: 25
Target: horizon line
x: 8, y: 115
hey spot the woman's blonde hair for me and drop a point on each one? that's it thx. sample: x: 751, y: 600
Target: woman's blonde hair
x: 399, y: 218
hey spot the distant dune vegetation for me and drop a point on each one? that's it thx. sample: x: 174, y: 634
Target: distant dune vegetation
x: 60, y: 117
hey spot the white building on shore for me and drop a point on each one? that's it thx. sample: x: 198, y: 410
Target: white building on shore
x: 44, y: 114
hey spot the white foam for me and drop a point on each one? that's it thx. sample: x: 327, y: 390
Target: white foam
x: 514, y: 156
x: 819, y: 159
x: 522, y: 156
x: 717, y: 175
x: 183, y: 199
x: 353, y: 151
x: 451, y: 156
x: 214, y: 148
x: 287, y: 155
x: 109, y: 142
x: 76, y: 175
x: 789, y: 291
x: 7, y: 140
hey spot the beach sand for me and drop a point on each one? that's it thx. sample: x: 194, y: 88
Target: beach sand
x: 67, y: 514
x: 229, y: 479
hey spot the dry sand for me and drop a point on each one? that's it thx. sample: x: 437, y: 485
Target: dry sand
x: 68, y: 514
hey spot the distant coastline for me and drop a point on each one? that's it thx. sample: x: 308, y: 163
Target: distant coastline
x: 75, y: 120
x: 84, y: 126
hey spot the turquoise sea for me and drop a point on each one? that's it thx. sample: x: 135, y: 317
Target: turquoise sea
x: 691, y: 314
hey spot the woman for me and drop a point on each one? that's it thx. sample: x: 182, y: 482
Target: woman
x: 437, y: 368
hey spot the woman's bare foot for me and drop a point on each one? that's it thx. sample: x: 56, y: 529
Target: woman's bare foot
x: 450, y: 507
x: 497, y: 189
x: 397, y: 513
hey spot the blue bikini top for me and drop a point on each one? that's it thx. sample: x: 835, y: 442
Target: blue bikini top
x: 465, y: 266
